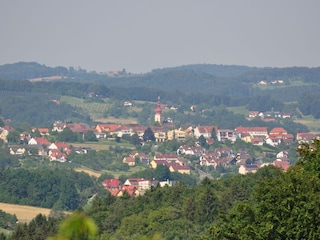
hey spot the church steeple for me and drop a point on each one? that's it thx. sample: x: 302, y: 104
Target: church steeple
x: 157, y: 116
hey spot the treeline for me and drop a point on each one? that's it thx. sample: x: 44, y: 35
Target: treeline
x: 28, y: 70
x: 309, y: 104
x: 59, y: 189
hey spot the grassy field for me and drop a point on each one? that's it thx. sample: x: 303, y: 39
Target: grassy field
x: 24, y: 213
x: 115, y: 174
x: 103, y: 145
x: 312, y: 123
x: 239, y: 110
x: 96, y: 110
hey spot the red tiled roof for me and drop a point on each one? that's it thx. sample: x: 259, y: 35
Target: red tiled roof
x: 278, y: 130
x: 129, y: 159
x: 42, y: 141
x: 62, y: 145
x: 284, y: 165
x: 251, y: 129
x: 112, y: 183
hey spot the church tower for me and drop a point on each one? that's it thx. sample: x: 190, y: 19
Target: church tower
x: 157, y: 116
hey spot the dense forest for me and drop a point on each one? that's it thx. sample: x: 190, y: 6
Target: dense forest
x: 269, y: 204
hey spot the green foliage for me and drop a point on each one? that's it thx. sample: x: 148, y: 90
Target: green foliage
x: 90, y: 136
x: 7, y: 221
x: 13, y: 137
x: 148, y: 135
x: 39, y: 228
x: 63, y: 189
x: 67, y: 136
x: 77, y: 226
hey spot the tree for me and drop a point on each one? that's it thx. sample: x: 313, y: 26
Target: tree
x: 13, y: 137
x: 203, y: 142
x: 67, y: 136
x: 135, y: 139
x: 214, y: 134
x: 162, y: 172
x: 148, y: 135
x: 90, y: 136
x: 1, y: 122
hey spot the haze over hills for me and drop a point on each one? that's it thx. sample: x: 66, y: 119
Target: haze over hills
x: 198, y: 78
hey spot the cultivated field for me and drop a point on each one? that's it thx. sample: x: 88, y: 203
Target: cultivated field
x: 24, y: 213
x: 90, y: 172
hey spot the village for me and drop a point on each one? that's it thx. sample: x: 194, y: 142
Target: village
x: 164, y: 131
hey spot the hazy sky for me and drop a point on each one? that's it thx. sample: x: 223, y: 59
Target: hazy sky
x: 104, y: 35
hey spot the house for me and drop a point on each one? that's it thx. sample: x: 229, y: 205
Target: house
x: 278, y: 131
x: 220, y: 156
x: 112, y: 184
x: 191, y: 150
x: 282, y: 164
x: 175, y: 167
x: 139, y: 183
x: 242, y: 156
x: 39, y: 141
x: 109, y: 128
x: 279, y: 135
x: 248, y: 168
x: 209, y: 159
x: 127, y: 104
x: 143, y: 158
x: 286, y: 115
x: 3, y: 134
x: 131, y: 190
x: 305, y: 137
x: 227, y: 134
x: 177, y: 134
x: 253, y: 114
x: 42, y: 131
x: 155, y: 163
x: 129, y: 160
x: 253, y: 131
x: 160, y: 133
x: 25, y: 136
x: 57, y: 155
x: 18, y: 149
x: 74, y: 127
x: 139, y: 130
x: 78, y: 127
x: 100, y: 135
x: 82, y: 150
x: 257, y: 141
x: 62, y: 146
x: 263, y: 82
x: 169, y: 157
x: 282, y: 154
x: 205, y: 131
x: 58, y: 127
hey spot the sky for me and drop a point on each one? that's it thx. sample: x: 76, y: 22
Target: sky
x: 141, y: 35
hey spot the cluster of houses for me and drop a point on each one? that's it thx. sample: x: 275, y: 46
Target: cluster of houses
x: 281, y: 161
x: 255, y: 135
x: 174, y: 162
x: 273, y: 82
x: 133, y: 186
x: 270, y: 116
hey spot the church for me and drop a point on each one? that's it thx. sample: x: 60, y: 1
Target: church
x: 158, y: 114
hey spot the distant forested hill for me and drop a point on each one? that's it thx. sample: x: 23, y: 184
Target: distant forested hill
x: 190, y: 84
x: 28, y: 70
